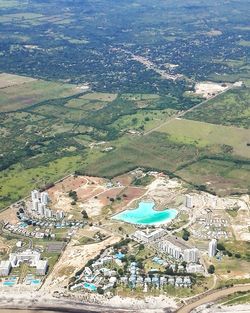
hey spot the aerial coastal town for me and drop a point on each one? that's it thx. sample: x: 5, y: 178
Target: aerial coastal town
x: 139, y: 235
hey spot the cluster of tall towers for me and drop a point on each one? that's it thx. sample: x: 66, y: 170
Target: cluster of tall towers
x: 40, y: 202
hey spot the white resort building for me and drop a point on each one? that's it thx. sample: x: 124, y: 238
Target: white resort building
x: 33, y: 258
x: 5, y: 267
x: 148, y: 235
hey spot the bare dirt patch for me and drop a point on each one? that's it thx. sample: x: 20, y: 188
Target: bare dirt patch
x: 9, y: 215
x: 124, y: 180
x: 73, y: 259
x: 210, y: 89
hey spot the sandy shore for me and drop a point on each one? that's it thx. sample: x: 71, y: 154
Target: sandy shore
x: 34, y: 301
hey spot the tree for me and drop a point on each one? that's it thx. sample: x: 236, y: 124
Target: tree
x: 185, y: 235
x: 73, y: 195
x: 100, y: 290
x: 120, y: 272
x: 132, y: 258
x: 220, y: 246
x: 169, y: 271
x: 211, y: 269
x: 141, y: 247
x: 84, y: 214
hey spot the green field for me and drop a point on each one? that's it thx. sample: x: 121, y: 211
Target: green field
x: 237, y: 298
x: 219, y: 176
x: 46, y: 129
x: 152, y: 151
x: 203, y: 134
x: 18, y: 181
x: 230, y: 108
x: 24, y: 95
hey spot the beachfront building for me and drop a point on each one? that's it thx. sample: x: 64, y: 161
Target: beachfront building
x: 32, y: 257
x: 148, y: 235
x: 168, y: 247
x: 5, y: 267
x: 41, y: 267
x: 178, y: 249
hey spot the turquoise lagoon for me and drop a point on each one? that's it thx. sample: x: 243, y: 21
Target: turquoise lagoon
x: 144, y: 214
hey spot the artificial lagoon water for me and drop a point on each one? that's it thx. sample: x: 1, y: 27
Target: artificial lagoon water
x: 146, y: 215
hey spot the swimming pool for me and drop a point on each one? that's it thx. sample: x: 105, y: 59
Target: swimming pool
x: 9, y: 283
x: 144, y: 214
x: 35, y: 281
x: 90, y: 287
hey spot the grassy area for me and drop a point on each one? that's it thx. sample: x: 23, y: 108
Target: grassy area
x: 237, y: 298
x: 230, y: 108
x: 24, y: 95
x: 203, y: 134
x: 49, y: 137
x: 52, y: 259
x: 152, y: 151
x: 143, y: 120
x: 19, y: 181
x: 85, y: 240
x: 221, y: 177
x: 100, y: 96
x: 9, y: 3
x: 238, y: 247
x: 244, y: 43
x: 144, y: 181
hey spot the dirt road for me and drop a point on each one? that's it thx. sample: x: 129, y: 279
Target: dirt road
x: 182, y: 113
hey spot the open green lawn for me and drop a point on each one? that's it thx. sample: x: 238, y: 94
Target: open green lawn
x: 18, y: 181
x: 221, y: 177
x: 244, y: 43
x: 230, y: 108
x: 22, y: 96
x: 152, y: 151
x: 237, y: 298
x: 9, y: 3
x: 143, y: 120
x: 203, y: 134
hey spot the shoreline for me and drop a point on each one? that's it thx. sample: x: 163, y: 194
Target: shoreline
x: 37, y: 301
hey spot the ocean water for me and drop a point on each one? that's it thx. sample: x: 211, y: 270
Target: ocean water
x: 146, y: 215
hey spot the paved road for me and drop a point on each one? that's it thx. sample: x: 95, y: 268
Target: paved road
x: 184, y: 112
x: 212, y: 297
